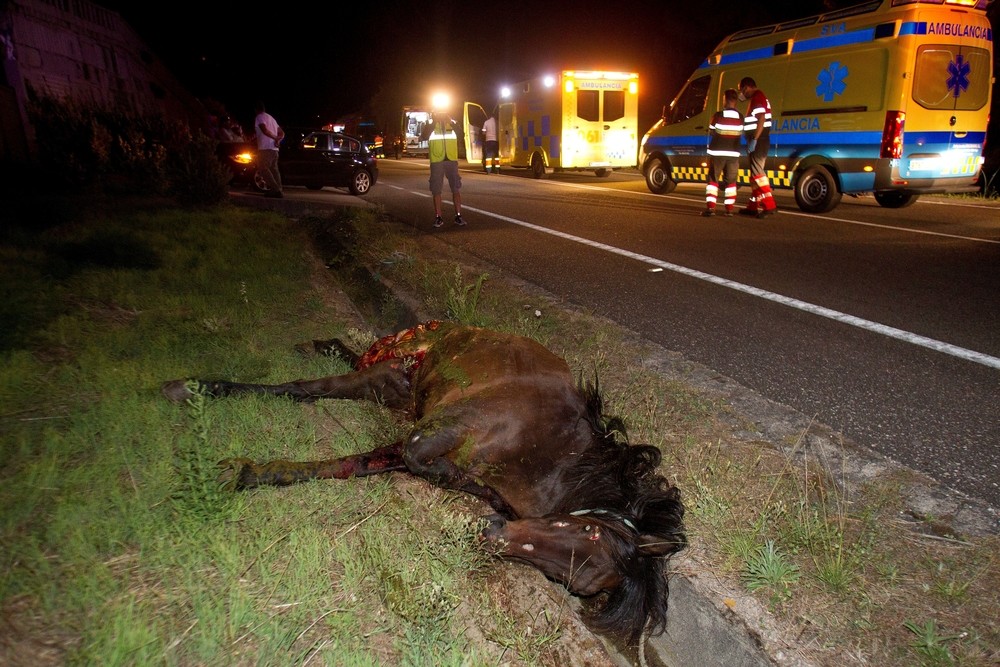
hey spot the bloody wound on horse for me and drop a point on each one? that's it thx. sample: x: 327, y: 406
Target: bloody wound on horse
x: 500, y: 417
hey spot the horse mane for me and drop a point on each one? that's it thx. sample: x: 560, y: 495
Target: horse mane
x: 619, y: 483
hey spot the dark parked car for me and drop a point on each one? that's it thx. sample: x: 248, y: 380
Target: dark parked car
x: 321, y: 159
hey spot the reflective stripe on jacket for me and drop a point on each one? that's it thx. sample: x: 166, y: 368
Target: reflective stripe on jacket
x: 758, y: 104
x: 725, y: 128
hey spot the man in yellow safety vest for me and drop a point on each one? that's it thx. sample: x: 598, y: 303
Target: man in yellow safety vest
x: 443, y: 152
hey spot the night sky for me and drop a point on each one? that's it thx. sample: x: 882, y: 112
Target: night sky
x: 311, y: 67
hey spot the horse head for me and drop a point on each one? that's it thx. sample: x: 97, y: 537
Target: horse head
x: 597, y: 551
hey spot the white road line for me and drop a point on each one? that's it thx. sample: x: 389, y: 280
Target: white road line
x: 874, y: 327
x: 810, y: 216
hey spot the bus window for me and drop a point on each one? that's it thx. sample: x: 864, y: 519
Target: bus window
x: 614, y: 105
x: 942, y: 70
x: 691, y: 101
x: 587, y: 102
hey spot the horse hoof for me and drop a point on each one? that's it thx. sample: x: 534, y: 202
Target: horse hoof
x: 231, y: 477
x: 176, y: 391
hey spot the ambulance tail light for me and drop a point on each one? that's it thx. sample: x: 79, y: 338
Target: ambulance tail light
x: 892, y: 135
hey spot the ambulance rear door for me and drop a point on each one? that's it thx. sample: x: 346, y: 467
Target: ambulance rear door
x: 950, y: 100
x: 600, y: 124
x: 473, y: 118
x: 506, y: 133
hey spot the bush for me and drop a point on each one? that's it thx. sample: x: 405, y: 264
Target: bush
x: 119, y: 150
x: 197, y: 176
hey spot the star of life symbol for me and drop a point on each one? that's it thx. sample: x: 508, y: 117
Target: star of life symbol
x: 958, y: 81
x: 831, y: 81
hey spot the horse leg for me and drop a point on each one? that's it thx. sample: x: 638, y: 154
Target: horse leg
x: 425, y: 455
x: 385, y: 383
x: 241, y: 473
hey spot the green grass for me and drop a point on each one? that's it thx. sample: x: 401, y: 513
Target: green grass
x: 119, y: 546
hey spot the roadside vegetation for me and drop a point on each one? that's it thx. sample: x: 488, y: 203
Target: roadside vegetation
x: 117, y: 547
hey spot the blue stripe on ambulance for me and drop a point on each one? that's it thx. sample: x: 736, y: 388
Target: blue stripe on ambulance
x: 861, y: 36
x: 531, y: 138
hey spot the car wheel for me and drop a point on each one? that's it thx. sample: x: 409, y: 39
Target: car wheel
x: 658, y: 177
x: 537, y: 166
x: 894, y: 199
x: 816, y: 190
x: 361, y: 182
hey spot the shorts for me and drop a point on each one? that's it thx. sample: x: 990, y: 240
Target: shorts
x: 441, y: 169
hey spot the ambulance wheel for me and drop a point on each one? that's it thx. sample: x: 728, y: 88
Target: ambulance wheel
x: 537, y: 166
x: 894, y: 199
x: 816, y: 190
x: 658, y: 177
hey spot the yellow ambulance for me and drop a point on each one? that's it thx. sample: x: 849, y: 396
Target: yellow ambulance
x: 889, y: 97
x: 572, y: 120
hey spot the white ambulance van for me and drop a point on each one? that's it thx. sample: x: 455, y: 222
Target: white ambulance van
x: 889, y: 97
x: 573, y: 120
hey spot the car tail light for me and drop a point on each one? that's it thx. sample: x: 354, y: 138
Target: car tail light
x: 892, y: 135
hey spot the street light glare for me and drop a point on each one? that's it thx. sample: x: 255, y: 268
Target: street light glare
x: 441, y: 101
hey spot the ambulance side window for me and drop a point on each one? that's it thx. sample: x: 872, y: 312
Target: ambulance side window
x: 614, y: 105
x: 587, y: 102
x: 691, y: 101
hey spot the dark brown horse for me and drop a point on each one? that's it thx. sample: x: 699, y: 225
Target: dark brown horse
x: 499, y: 416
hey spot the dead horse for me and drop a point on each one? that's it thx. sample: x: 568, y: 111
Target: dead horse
x: 500, y: 417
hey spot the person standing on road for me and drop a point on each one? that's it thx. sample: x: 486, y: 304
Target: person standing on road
x: 491, y: 146
x: 757, y: 128
x: 442, y: 147
x: 269, y: 136
x: 725, y: 131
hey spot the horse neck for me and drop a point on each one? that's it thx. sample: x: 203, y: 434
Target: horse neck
x: 593, y: 481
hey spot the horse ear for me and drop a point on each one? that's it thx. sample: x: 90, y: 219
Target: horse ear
x: 657, y: 545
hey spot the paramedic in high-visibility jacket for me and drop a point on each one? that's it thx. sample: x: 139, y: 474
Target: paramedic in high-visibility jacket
x: 724, y: 132
x: 757, y: 129
x: 442, y: 146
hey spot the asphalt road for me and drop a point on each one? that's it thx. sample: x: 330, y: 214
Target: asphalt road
x: 883, y: 324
